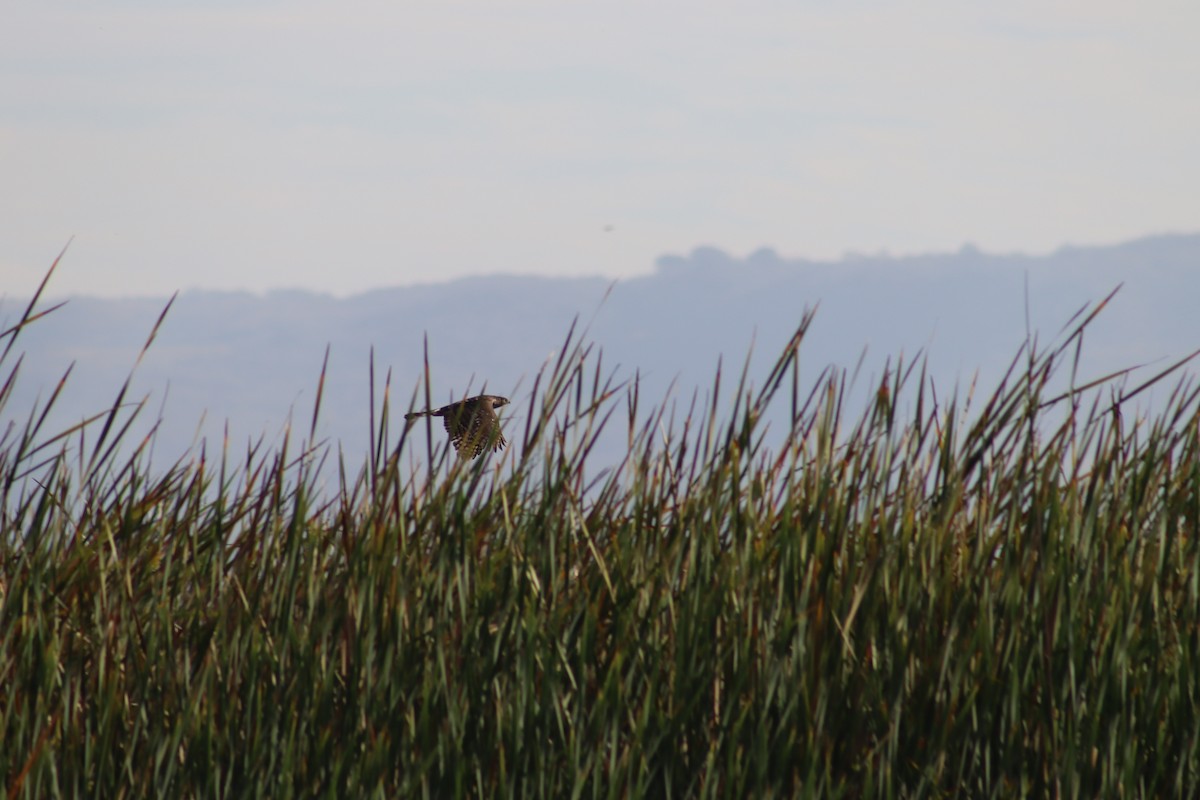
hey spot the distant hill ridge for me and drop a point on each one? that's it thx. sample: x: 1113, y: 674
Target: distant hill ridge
x: 251, y: 359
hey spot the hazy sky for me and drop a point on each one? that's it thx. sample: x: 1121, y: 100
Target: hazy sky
x: 349, y: 145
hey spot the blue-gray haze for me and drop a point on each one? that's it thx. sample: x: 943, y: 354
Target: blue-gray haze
x: 251, y: 361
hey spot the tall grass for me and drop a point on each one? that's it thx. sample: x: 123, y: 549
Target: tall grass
x: 979, y: 597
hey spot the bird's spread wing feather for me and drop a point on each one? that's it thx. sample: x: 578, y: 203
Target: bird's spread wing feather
x: 473, y: 428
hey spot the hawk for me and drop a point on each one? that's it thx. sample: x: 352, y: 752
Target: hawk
x: 472, y: 424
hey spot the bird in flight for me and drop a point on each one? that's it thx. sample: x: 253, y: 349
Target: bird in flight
x: 472, y: 424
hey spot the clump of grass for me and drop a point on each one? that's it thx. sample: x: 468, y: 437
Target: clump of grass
x: 934, y: 597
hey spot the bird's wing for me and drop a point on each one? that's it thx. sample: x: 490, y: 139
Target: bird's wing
x: 455, y: 422
x: 473, y: 429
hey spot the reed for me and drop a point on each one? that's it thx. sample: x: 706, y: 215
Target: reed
x: 979, y: 596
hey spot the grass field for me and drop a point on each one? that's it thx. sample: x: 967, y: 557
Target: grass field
x: 930, y: 597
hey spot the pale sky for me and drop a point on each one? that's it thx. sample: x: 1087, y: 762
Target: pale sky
x: 343, y: 146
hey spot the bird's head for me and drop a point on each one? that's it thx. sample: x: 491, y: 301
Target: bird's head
x: 499, y: 401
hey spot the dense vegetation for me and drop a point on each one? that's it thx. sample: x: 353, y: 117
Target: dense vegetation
x: 934, y: 597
